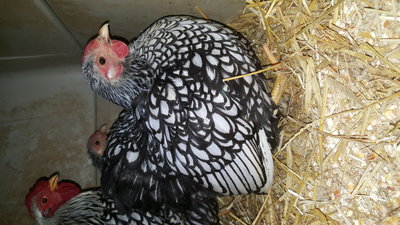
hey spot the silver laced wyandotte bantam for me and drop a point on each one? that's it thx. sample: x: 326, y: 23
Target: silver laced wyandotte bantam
x: 53, y: 202
x: 183, y: 128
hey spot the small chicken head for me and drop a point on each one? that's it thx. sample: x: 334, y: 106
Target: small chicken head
x: 106, y: 54
x: 97, y: 142
x: 47, y: 195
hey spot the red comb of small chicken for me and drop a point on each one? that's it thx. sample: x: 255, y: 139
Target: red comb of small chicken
x: 47, y: 195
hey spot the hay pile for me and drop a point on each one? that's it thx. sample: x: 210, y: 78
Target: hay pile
x: 339, y: 72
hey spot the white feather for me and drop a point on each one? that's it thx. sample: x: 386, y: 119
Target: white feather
x: 212, y: 60
x: 220, y: 123
x: 201, y: 154
x: 268, y: 161
x: 131, y: 156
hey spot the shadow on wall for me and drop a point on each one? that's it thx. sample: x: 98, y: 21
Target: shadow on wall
x: 46, y: 115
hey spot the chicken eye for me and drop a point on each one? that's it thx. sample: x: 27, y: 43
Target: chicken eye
x: 44, y: 200
x: 102, y: 60
x: 97, y: 142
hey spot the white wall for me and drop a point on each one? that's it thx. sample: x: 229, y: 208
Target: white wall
x: 47, y: 112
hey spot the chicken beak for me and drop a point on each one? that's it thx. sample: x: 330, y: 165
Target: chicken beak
x: 104, y: 32
x: 53, y: 182
x: 103, y: 129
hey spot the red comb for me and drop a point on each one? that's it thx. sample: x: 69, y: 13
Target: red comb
x: 65, y: 189
x: 120, y: 48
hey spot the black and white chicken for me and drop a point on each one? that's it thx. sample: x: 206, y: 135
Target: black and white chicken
x: 182, y: 128
x: 53, y: 202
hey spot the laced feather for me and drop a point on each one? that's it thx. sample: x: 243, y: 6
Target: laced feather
x: 184, y: 122
x: 90, y: 208
x: 85, y: 208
